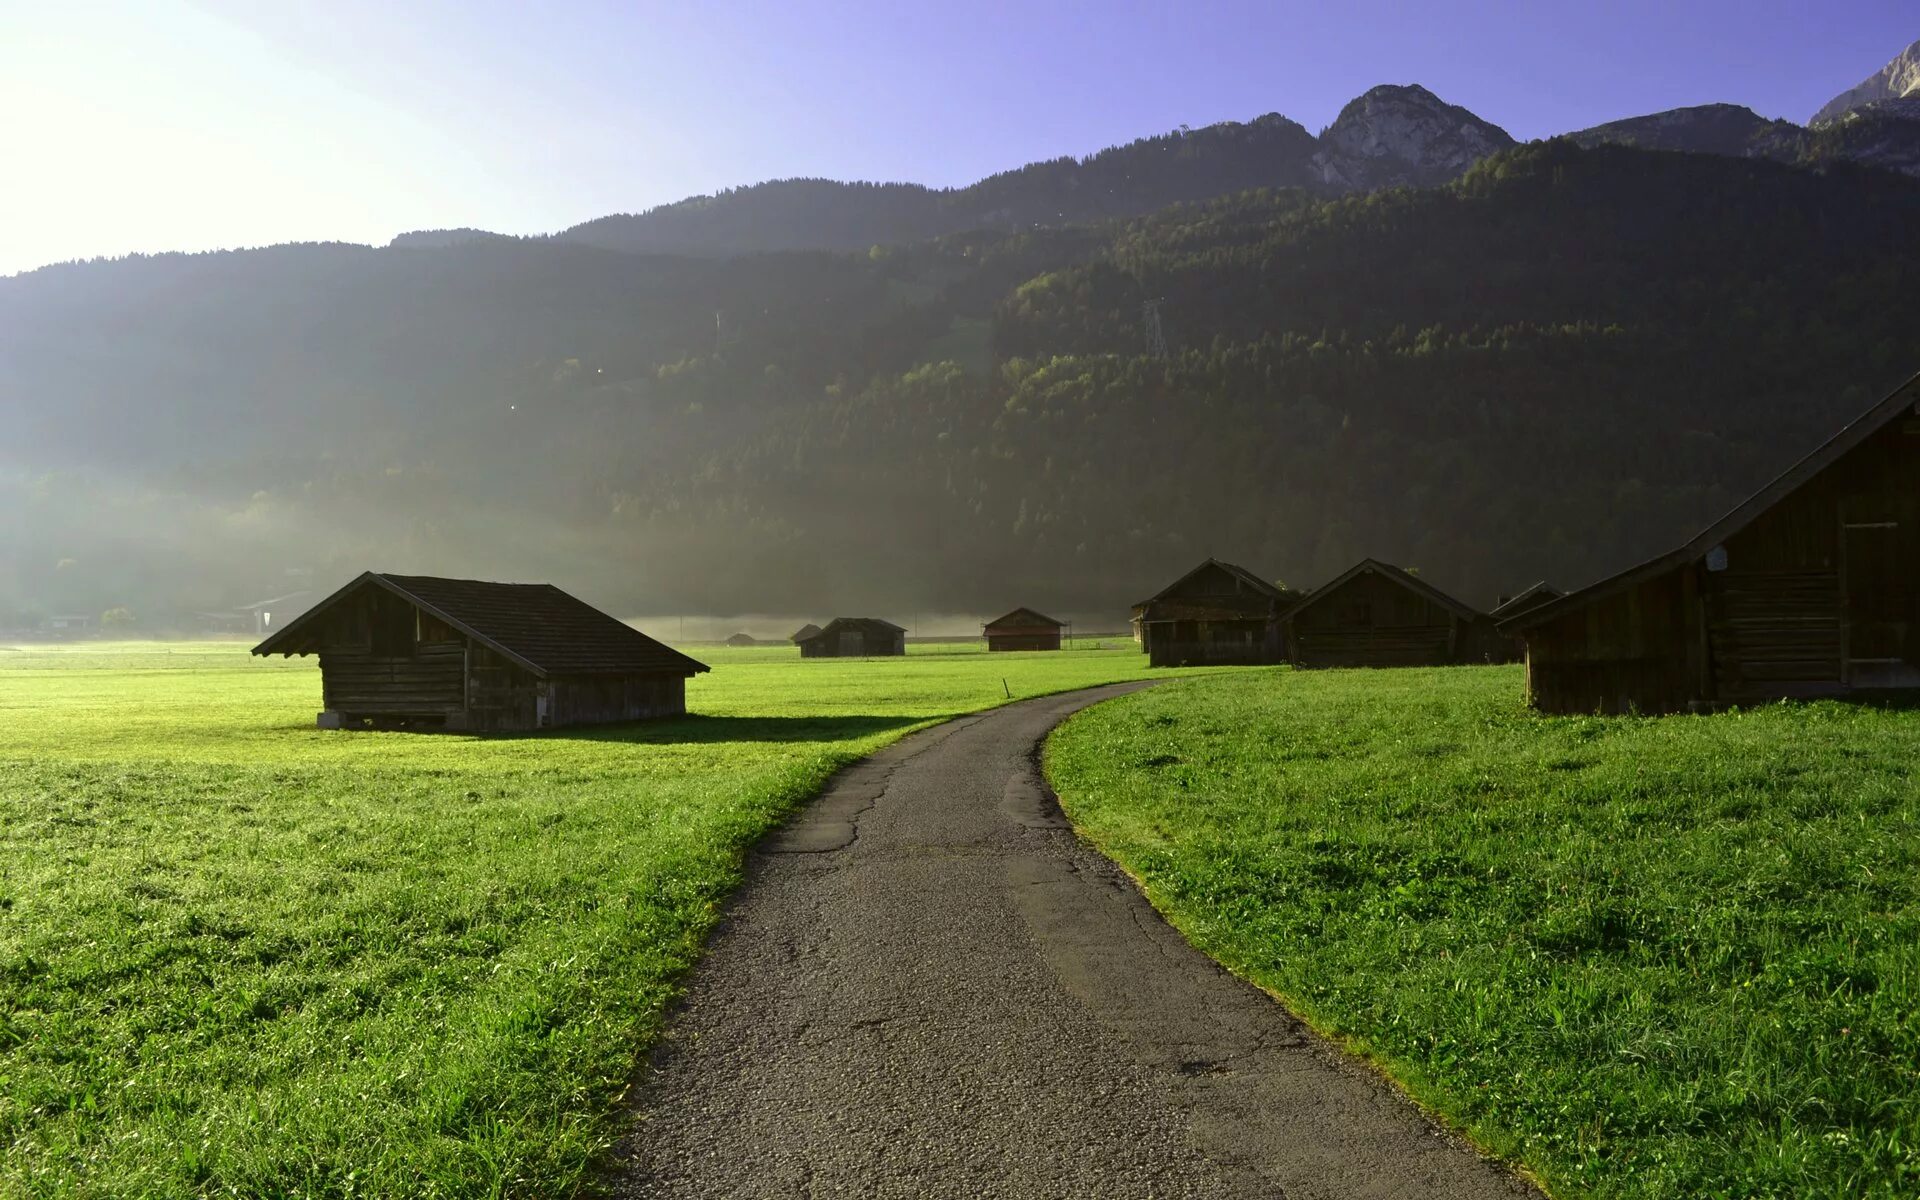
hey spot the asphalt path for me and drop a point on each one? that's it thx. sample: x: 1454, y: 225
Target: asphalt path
x: 930, y: 987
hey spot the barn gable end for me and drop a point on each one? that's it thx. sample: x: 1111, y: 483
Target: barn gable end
x: 1807, y: 589
x: 1376, y: 615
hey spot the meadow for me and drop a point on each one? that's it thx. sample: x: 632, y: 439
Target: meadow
x: 1674, y: 957
x: 242, y: 956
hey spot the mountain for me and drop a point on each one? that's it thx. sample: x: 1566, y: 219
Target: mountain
x: 1897, y: 79
x: 1391, y: 136
x: 1541, y: 368
x: 434, y: 239
x: 1883, y: 134
x: 1402, y: 137
x: 1727, y: 129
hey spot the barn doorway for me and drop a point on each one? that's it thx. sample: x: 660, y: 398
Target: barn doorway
x: 1878, y: 601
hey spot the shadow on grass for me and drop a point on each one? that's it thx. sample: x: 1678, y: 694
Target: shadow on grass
x: 698, y: 729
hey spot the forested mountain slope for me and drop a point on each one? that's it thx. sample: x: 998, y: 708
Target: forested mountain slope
x: 1567, y: 359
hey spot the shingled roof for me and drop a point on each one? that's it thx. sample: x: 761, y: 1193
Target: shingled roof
x: 1392, y: 574
x: 863, y: 624
x: 535, y: 624
x: 1024, y: 618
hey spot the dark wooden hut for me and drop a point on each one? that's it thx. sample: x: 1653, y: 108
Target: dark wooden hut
x: 417, y: 651
x: 1023, y: 629
x: 855, y: 637
x: 1377, y: 615
x: 804, y: 632
x: 743, y: 639
x: 1807, y: 589
x: 1216, y: 613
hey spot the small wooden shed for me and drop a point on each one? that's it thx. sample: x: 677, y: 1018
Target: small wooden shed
x: 1216, y: 613
x: 419, y: 651
x: 855, y: 637
x: 1023, y: 629
x: 1377, y: 615
x: 1810, y: 588
x: 804, y: 632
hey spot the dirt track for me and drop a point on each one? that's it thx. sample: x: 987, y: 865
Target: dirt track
x: 929, y: 987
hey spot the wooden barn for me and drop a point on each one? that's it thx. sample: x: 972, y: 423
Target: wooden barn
x: 855, y: 637
x: 1377, y: 615
x: 804, y: 632
x: 416, y: 651
x: 1216, y: 613
x: 1023, y: 629
x: 1807, y: 589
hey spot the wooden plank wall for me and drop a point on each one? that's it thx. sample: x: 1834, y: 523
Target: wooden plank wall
x: 1372, y: 621
x: 598, y: 699
x: 1224, y: 643
x: 1628, y: 652
x: 427, y: 684
x: 1023, y: 641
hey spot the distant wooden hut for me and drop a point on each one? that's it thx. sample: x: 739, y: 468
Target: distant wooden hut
x: 1023, y: 629
x: 855, y: 637
x: 418, y: 651
x: 743, y: 639
x: 1525, y: 601
x: 1377, y: 615
x: 1807, y: 589
x: 803, y: 633
x: 1216, y: 613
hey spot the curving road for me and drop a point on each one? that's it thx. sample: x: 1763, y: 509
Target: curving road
x: 930, y: 987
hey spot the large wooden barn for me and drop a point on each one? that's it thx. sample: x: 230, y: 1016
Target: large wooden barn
x: 1808, y: 589
x: 1216, y: 613
x: 1023, y: 629
x: 854, y: 637
x: 1377, y: 615
x: 417, y: 651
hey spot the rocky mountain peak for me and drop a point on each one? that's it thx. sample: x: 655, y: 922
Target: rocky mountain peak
x: 1403, y: 135
x: 1897, y: 79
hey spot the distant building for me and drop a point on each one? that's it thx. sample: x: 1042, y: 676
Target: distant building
x: 267, y: 615
x: 1023, y: 629
x: 1525, y: 601
x: 1807, y: 589
x: 803, y: 633
x: 1215, y: 613
x: 1377, y: 615
x: 742, y: 639
x: 1519, y: 604
x: 70, y: 624
x: 855, y: 637
x: 417, y: 651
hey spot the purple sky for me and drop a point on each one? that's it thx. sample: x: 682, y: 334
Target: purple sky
x: 186, y: 124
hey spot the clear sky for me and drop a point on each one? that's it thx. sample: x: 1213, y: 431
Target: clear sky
x: 146, y: 125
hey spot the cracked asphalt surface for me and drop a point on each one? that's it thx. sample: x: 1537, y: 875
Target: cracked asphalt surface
x: 930, y: 987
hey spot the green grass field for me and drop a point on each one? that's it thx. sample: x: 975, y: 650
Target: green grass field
x: 241, y: 956
x: 1671, y: 957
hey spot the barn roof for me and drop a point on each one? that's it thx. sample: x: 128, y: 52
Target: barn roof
x: 1392, y: 574
x: 804, y: 632
x: 1525, y: 600
x: 1271, y: 591
x: 534, y: 624
x: 863, y: 624
x: 1904, y: 399
x: 1024, y: 617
